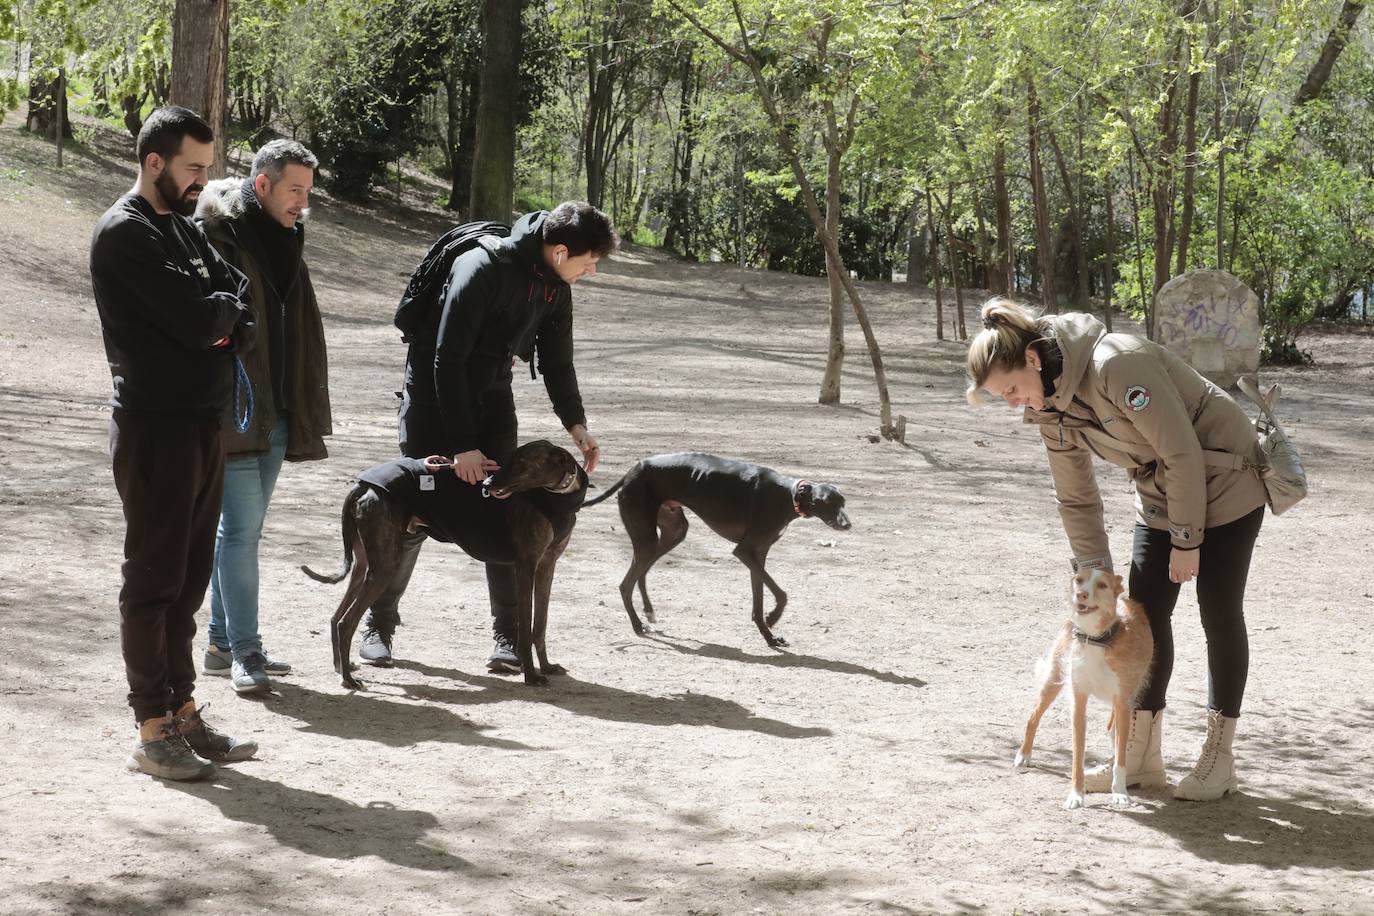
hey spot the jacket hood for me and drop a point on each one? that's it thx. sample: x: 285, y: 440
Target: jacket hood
x: 229, y: 199
x: 527, y: 241
x: 221, y: 200
x: 1077, y: 334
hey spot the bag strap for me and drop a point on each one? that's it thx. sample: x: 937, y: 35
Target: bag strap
x: 1210, y: 457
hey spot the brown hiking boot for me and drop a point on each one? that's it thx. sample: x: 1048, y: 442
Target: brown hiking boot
x: 207, y: 742
x: 167, y: 755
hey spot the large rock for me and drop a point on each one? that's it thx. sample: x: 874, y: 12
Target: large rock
x: 1211, y: 319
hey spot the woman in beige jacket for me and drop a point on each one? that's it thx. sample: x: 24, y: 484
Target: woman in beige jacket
x: 1136, y: 405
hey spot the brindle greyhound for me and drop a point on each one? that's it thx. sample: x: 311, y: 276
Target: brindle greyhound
x: 545, y: 487
x: 743, y: 503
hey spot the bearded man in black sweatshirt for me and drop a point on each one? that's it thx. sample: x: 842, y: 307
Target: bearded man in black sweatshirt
x: 173, y: 315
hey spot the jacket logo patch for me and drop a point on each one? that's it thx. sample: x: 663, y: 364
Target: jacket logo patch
x: 1137, y: 397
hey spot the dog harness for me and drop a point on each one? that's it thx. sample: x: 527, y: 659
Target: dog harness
x: 1103, y: 640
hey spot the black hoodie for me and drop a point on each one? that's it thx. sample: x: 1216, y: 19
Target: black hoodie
x: 165, y: 298
x: 502, y: 301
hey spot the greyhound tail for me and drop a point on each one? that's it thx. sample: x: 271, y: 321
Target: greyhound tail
x: 615, y: 486
x: 350, y: 530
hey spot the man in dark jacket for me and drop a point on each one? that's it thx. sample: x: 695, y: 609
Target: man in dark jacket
x: 173, y: 315
x: 506, y: 299
x: 256, y: 226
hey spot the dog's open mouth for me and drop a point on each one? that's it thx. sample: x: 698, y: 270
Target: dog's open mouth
x: 1084, y: 607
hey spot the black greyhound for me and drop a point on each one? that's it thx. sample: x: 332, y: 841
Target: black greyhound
x: 743, y: 503
x: 529, y: 530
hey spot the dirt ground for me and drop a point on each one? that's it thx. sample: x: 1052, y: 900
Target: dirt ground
x: 866, y: 768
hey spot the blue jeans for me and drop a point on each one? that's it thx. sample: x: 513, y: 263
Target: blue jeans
x: 248, y: 485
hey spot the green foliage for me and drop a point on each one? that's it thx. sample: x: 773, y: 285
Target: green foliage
x: 384, y: 60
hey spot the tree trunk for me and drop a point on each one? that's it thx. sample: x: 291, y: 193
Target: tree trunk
x: 492, y: 194
x: 1145, y: 298
x: 960, y: 328
x: 1221, y: 147
x: 1044, y: 252
x: 747, y: 57
x: 1002, y: 276
x: 1162, y: 193
x: 1075, y: 222
x: 59, y: 104
x: 462, y: 88
x: 200, y: 59
x: 917, y: 249
x: 1185, y: 222
x: 684, y: 149
x: 47, y: 106
x: 1335, y: 43
x: 1108, y: 268
x: 935, y: 266
x: 834, y: 357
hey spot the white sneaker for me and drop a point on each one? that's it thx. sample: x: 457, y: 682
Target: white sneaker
x: 1144, y: 761
x: 376, y: 648
x: 1214, y: 774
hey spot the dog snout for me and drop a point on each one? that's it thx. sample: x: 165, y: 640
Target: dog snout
x: 841, y: 521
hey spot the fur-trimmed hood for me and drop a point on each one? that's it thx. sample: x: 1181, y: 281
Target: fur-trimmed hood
x: 229, y: 199
x: 222, y: 199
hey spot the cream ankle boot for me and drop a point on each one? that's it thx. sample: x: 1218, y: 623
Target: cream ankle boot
x: 1214, y: 774
x: 1144, y: 762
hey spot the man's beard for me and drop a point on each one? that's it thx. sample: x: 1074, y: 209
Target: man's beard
x: 177, y: 203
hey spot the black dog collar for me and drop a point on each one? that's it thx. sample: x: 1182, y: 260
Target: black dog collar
x: 1104, y: 640
x: 796, y: 497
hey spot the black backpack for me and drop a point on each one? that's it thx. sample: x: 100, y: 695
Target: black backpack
x: 417, y: 314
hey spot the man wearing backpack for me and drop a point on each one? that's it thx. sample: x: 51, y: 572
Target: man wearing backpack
x: 505, y: 298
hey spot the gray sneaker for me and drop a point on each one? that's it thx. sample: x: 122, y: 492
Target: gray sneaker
x: 376, y: 648
x: 250, y: 674
x: 503, y: 659
x: 168, y: 756
x: 210, y: 744
x: 219, y: 662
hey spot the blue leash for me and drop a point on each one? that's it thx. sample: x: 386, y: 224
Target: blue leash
x: 243, y: 397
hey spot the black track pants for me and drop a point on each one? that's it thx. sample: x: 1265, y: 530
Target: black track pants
x: 169, y: 472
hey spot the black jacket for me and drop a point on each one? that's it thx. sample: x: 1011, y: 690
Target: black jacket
x: 165, y: 297
x: 501, y: 301
x: 287, y: 365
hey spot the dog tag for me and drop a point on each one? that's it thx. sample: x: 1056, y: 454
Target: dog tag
x: 426, y: 481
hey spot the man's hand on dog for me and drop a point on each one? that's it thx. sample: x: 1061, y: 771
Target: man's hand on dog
x: 474, y: 467
x: 591, y: 452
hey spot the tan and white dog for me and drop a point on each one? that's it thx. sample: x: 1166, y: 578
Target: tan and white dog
x: 1104, y: 651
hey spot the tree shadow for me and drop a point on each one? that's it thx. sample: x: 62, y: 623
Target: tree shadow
x: 583, y: 698
x: 783, y: 660
x: 395, y: 723
x: 326, y: 826
x: 1270, y: 832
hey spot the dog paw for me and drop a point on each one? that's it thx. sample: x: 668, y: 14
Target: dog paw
x: 553, y: 669
x: 777, y: 642
x: 353, y: 683
x: 1121, y: 800
x: 1076, y: 799
x: 1021, y: 761
x: 536, y: 680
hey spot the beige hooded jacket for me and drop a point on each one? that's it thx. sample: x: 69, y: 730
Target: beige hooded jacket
x: 1135, y: 404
